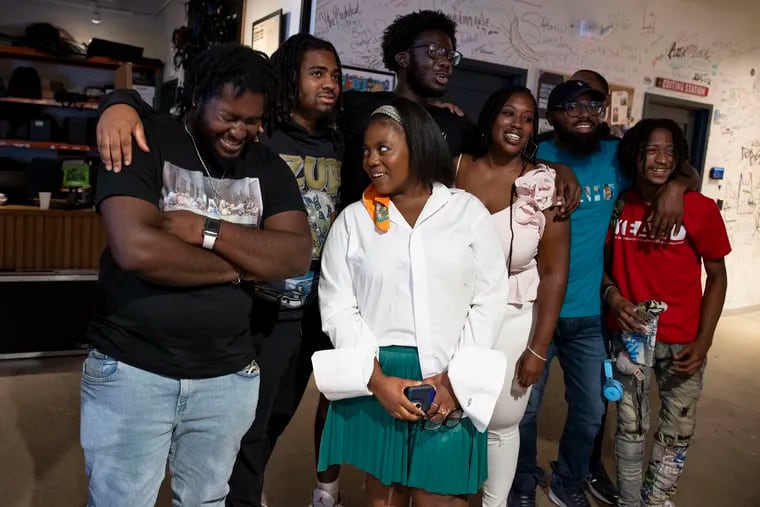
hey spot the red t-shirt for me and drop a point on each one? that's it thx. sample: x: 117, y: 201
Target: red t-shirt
x: 670, y: 271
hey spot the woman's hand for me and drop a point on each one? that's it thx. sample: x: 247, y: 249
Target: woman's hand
x: 115, y: 129
x: 389, y: 391
x: 444, y: 401
x: 529, y: 368
x: 625, y: 314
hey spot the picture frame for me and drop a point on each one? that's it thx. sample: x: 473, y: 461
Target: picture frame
x: 357, y: 78
x: 267, y: 33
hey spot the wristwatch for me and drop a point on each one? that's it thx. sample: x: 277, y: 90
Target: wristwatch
x: 210, y: 232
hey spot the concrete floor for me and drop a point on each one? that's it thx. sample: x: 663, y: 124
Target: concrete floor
x: 41, y: 461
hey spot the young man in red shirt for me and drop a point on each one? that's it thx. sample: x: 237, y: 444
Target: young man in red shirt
x: 641, y: 267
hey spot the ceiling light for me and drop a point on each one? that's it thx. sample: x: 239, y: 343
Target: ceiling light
x: 95, y: 14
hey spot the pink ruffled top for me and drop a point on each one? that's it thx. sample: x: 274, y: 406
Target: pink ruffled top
x: 535, y: 193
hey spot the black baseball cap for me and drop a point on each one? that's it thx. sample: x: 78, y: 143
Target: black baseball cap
x: 570, y: 90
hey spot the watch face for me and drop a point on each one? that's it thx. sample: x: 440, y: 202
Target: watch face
x: 212, y: 226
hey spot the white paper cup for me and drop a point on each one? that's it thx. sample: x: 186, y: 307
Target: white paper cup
x: 45, y: 200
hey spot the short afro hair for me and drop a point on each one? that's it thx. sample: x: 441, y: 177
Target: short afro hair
x: 402, y: 33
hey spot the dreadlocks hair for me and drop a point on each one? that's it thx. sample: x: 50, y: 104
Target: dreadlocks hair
x: 287, y: 65
x: 233, y: 64
x: 492, y: 109
x: 402, y: 33
x: 632, y: 149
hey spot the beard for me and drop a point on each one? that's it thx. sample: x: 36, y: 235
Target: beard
x: 417, y: 78
x: 580, y: 144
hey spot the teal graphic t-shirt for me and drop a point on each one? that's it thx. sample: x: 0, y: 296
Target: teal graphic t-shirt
x: 601, y: 183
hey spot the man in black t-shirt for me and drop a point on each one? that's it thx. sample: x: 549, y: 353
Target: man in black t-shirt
x: 172, y: 374
x: 302, y: 128
x: 421, y: 49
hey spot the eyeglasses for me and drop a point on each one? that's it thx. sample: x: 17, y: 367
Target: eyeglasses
x: 573, y: 109
x: 434, y: 52
x: 437, y: 420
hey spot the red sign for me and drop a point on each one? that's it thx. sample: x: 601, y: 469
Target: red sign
x: 682, y: 87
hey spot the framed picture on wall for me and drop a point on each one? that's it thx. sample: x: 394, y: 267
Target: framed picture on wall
x: 368, y: 80
x: 268, y: 33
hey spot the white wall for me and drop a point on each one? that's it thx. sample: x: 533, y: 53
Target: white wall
x: 138, y: 30
x: 722, y: 50
x: 257, y: 9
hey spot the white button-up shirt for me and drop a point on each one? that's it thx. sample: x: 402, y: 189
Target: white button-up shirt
x: 440, y: 286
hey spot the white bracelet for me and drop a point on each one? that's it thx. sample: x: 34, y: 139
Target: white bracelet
x: 542, y: 358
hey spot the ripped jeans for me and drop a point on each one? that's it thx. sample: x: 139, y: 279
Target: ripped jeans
x: 675, y: 428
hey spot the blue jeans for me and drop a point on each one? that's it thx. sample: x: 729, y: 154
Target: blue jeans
x: 133, y: 421
x: 580, y: 346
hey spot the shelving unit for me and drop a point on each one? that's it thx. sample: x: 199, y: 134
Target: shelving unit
x: 50, y: 103
x: 46, y: 145
x: 92, y: 62
x: 49, y: 258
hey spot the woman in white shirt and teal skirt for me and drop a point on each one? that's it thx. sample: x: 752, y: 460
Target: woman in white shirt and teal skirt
x: 413, y: 292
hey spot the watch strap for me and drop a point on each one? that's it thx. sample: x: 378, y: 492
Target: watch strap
x: 210, y: 232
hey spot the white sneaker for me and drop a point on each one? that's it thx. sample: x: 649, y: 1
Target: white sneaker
x: 321, y: 498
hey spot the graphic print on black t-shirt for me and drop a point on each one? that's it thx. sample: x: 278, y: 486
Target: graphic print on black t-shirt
x: 318, y: 178
x: 319, y: 181
x: 237, y: 201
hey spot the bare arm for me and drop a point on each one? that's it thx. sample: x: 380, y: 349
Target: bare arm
x: 553, y: 266
x: 568, y: 189
x: 280, y: 249
x: 621, y: 308
x: 138, y: 244
x: 118, y: 122
x: 693, y: 355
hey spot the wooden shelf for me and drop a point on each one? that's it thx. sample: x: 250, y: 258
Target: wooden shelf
x: 95, y: 61
x: 45, y: 145
x: 51, y: 103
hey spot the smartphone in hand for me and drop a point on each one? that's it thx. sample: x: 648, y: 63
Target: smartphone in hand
x: 422, y: 396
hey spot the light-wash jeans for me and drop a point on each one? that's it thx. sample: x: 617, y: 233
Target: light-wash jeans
x: 133, y: 421
x: 675, y: 428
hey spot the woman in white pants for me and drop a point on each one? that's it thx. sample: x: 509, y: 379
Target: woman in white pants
x: 520, y: 195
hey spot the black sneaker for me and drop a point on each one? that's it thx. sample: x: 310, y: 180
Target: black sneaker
x: 521, y: 500
x: 601, y: 486
x: 565, y: 497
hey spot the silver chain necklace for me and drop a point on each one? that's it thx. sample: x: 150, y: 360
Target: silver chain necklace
x: 210, y: 178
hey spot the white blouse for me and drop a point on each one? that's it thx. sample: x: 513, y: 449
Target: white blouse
x: 440, y: 286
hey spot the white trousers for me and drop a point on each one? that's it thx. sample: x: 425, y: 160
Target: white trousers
x: 504, y: 430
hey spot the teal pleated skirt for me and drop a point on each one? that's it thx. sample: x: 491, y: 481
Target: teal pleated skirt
x: 359, y: 432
